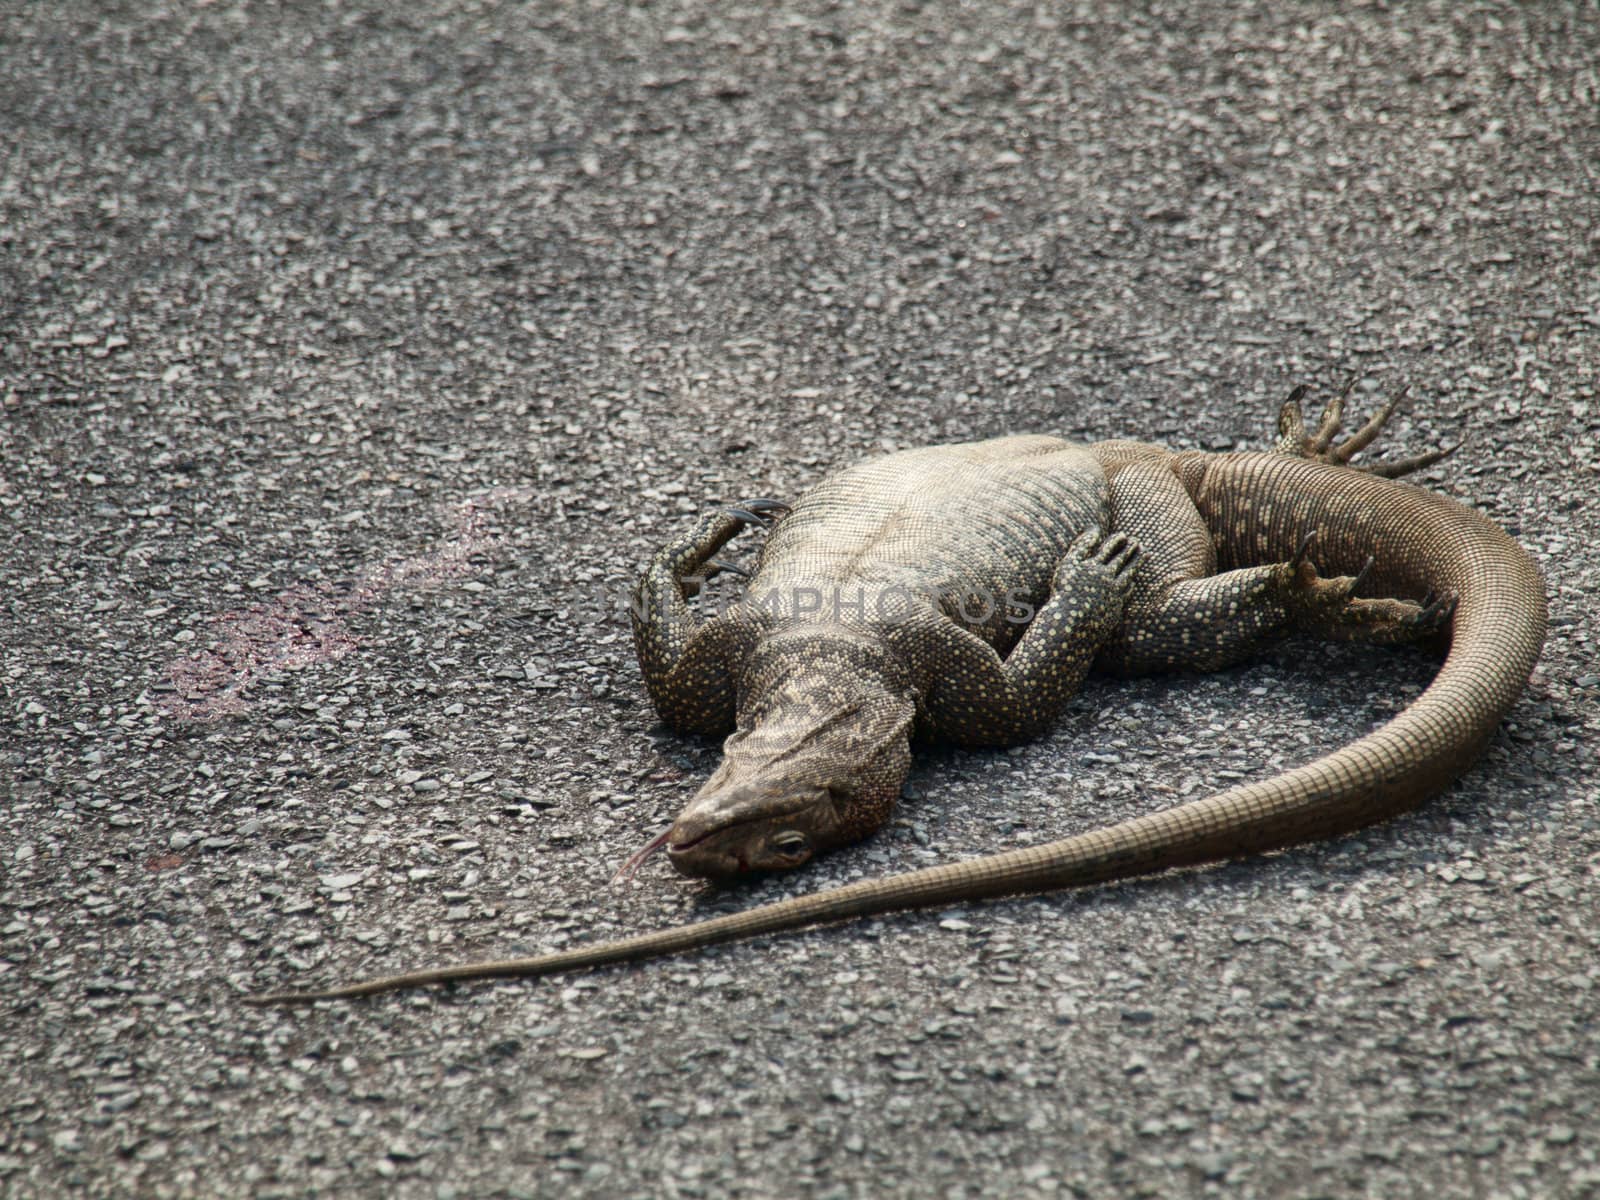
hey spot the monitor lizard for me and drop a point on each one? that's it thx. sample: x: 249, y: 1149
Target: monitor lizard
x: 965, y: 591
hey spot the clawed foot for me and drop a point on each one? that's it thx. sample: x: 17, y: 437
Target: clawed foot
x: 1294, y: 439
x: 690, y: 559
x: 1328, y: 606
x: 1394, y: 622
x: 732, y: 519
x: 1096, y: 575
x: 1117, y: 555
x: 762, y: 512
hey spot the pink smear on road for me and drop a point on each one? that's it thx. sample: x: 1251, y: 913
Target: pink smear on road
x: 301, y: 626
x: 305, y: 624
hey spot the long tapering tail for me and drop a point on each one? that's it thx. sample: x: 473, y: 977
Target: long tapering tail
x: 1261, y: 504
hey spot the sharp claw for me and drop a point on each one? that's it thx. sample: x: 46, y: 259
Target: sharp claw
x: 1404, y: 466
x: 1363, y: 437
x: 1361, y: 575
x: 757, y: 512
x: 719, y: 565
x: 1439, y: 610
x: 1303, y: 549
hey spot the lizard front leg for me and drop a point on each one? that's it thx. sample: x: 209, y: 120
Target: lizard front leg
x: 686, y: 664
x: 976, y: 698
x: 1181, y: 615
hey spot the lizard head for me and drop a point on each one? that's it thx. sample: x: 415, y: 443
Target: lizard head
x: 818, y: 758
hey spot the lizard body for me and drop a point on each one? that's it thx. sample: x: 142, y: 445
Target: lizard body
x: 965, y: 591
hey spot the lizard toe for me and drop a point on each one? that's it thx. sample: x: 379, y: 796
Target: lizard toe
x: 1112, y: 548
x: 746, y: 516
x: 1324, y: 445
x: 1085, y: 545
x: 1126, y: 560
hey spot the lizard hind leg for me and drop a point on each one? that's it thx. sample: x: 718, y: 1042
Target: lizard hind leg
x: 1389, y: 622
x: 1214, y: 621
x: 1322, y: 446
x: 1330, y: 607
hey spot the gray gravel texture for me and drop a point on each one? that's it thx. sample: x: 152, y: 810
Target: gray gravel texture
x: 354, y: 354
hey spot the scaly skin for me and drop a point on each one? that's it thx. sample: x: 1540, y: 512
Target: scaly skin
x: 1137, y: 560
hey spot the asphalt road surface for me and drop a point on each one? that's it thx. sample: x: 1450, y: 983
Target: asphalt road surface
x: 352, y: 358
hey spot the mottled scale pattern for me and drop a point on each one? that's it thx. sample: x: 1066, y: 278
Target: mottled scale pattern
x: 686, y: 666
x: 1234, y: 550
x: 1138, y: 559
x: 958, y: 523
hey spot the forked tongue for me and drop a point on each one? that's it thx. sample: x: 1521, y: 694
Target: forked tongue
x: 631, y: 867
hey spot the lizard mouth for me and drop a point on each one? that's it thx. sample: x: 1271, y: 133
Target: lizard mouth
x: 728, y: 832
x: 729, y: 851
x: 680, y: 847
x: 663, y: 840
x: 726, y: 866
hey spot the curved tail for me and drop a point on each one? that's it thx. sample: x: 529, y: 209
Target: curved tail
x: 1261, y: 506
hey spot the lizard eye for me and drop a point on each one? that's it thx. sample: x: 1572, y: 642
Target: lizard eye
x: 790, y: 841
